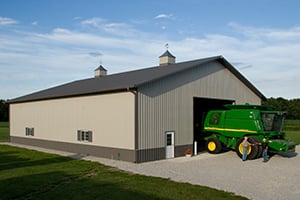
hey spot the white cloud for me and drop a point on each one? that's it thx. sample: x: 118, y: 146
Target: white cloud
x: 96, y: 22
x: 41, y: 60
x: 112, y: 28
x: 163, y: 16
x: 95, y: 54
x: 77, y: 18
x: 7, y: 21
x: 103, y: 24
x: 63, y: 55
x: 268, y: 33
x: 274, y: 58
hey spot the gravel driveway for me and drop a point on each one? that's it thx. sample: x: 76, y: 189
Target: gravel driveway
x: 277, y: 179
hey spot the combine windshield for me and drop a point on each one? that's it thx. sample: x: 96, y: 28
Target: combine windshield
x: 272, y: 121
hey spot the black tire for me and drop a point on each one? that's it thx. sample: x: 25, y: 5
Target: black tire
x: 253, y: 149
x: 259, y: 153
x: 213, y: 145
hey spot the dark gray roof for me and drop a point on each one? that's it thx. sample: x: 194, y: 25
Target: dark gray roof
x: 101, y: 68
x: 168, y: 54
x: 126, y: 80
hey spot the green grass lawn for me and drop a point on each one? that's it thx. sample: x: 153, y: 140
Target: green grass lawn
x: 4, y: 131
x: 292, y: 125
x: 293, y: 136
x: 28, y: 174
x: 292, y: 129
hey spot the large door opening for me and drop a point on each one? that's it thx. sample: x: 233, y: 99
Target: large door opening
x: 201, y: 108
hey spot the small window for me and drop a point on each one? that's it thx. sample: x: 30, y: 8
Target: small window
x: 214, y: 118
x: 84, y: 135
x: 29, y: 131
x: 169, y: 139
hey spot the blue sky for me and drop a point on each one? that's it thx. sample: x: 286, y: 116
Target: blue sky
x: 51, y: 42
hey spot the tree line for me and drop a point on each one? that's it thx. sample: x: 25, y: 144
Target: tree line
x: 292, y: 107
x: 3, y: 111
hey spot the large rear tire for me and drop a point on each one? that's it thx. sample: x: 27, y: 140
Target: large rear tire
x: 213, y: 145
x: 252, y: 150
x: 259, y: 152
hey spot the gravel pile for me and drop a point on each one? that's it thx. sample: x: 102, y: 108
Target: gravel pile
x: 276, y: 179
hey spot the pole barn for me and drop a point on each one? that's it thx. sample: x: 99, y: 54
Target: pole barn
x: 136, y: 116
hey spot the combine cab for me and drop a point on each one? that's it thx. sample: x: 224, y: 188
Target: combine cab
x: 228, y: 127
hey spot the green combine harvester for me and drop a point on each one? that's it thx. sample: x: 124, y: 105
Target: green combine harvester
x: 228, y: 127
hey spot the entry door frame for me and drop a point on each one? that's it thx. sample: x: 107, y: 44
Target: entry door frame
x: 170, y: 144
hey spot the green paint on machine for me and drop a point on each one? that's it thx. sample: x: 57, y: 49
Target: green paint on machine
x: 228, y: 127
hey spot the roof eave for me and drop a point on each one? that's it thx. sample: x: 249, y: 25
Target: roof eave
x: 116, y: 90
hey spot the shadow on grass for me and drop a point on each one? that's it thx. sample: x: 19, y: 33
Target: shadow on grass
x: 58, y: 185
x: 12, y: 160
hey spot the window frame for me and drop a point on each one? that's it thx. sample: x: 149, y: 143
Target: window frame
x: 84, y: 136
x: 29, y: 131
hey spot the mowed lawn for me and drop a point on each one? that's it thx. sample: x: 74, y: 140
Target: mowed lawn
x: 292, y: 129
x: 28, y: 174
x: 4, y: 131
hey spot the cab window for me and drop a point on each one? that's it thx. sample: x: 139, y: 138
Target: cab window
x: 214, y: 118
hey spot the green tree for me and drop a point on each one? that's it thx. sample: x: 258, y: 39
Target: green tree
x: 3, y: 110
x: 292, y: 107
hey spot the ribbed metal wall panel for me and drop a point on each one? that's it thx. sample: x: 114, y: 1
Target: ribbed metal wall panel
x: 167, y: 104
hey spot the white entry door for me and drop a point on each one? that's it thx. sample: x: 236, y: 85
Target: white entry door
x: 170, y: 144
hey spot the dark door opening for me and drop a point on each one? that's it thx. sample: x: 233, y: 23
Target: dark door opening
x: 201, y: 107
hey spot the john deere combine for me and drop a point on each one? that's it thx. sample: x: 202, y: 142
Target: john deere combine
x: 227, y: 128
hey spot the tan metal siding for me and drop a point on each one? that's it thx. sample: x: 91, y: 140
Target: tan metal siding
x: 111, y: 118
x: 167, y: 104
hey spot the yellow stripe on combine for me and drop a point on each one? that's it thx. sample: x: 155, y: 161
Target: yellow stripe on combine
x: 229, y: 129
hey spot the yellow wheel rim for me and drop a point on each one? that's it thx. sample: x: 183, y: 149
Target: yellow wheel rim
x: 211, y: 146
x: 241, y: 149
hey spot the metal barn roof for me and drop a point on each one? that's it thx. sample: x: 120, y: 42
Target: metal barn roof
x: 127, y: 80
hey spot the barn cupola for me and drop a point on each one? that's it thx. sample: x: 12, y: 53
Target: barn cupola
x: 100, y: 71
x: 166, y: 59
